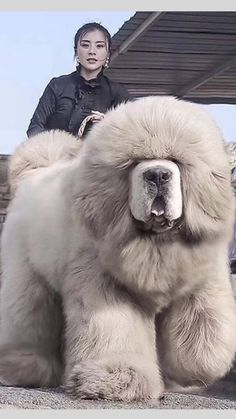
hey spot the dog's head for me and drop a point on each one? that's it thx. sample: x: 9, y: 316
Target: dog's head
x: 157, y: 165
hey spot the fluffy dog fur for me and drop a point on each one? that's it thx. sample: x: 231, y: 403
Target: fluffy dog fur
x: 35, y: 154
x: 115, y: 263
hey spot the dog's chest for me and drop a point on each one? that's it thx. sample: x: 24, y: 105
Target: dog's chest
x: 150, y: 267
x: 156, y: 272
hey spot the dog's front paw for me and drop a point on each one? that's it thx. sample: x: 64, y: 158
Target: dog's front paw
x: 114, y: 381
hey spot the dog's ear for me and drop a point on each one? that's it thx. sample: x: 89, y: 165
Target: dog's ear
x: 209, y: 202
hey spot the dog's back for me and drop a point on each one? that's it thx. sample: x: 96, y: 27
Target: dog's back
x: 40, y: 151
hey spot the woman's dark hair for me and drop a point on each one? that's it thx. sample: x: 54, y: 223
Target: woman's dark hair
x: 91, y: 27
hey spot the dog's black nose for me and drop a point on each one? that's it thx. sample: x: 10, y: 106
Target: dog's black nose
x: 158, y: 175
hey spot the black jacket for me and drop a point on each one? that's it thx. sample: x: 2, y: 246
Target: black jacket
x: 68, y: 99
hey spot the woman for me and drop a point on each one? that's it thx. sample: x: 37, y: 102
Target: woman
x: 84, y: 95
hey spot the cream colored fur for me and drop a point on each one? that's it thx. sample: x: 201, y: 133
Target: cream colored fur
x: 25, y: 160
x: 92, y: 300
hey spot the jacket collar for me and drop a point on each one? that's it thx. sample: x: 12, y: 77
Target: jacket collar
x: 88, y: 83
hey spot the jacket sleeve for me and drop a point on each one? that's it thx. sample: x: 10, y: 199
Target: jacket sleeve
x: 45, y: 108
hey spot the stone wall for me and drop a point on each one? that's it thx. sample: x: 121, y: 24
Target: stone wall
x: 4, y: 188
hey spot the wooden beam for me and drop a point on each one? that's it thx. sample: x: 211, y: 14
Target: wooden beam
x: 210, y: 100
x: 214, y: 71
x: 136, y: 34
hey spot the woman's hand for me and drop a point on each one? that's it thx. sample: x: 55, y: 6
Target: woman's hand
x: 97, y: 116
x: 94, y: 117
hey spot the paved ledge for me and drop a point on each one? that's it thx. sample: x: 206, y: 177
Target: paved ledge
x: 220, y: 396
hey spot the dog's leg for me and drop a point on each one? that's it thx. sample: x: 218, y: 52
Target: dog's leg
x: 196, y: 336
x: 29, y: 330
x: 110, y: 342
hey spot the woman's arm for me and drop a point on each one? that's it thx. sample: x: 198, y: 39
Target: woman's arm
x: 45, y: 108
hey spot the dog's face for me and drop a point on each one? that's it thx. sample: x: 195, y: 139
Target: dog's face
x: 155, y: 195
x: 157, y: 165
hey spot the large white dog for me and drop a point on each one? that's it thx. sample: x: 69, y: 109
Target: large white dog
x: 115, y: 257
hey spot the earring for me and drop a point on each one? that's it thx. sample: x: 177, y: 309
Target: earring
x: 106, y: 65
x: 77, y: 60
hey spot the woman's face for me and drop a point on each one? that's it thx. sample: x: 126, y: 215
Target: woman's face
x: 92, y: 50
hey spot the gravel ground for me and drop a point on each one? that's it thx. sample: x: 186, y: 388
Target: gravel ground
x: 220, y: 396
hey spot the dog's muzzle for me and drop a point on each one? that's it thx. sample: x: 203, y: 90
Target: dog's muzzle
x: 155, y: 195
